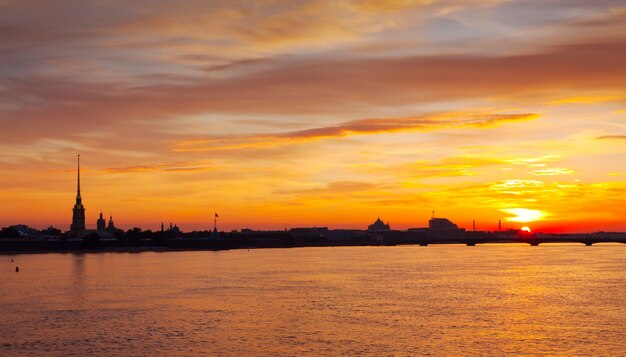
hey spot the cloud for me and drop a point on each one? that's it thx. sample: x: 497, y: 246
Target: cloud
x: 518, y: 187
x: 148, y: 36
x: 305, y: 87
x: 334, y: 188
x: 539, y: 161
x: 333, y: 86
x: 177, y: 167
x: 611, y: 137
x: 589, y: 99
x: 363, y: 126
x: 552, y: 172
x: 454, y: 166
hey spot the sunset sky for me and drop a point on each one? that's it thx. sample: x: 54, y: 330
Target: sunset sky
x: 286, y: 113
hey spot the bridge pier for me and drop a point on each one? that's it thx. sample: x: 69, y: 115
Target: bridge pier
x: 470, y: 244
x: 423, y: 244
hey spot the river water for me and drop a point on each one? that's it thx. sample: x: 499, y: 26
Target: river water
x: 406, y: 300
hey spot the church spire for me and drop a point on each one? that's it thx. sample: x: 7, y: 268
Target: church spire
x: 78, y: 216
x: 78, y: 198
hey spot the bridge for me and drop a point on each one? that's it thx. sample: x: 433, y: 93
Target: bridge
x: 531, y: 239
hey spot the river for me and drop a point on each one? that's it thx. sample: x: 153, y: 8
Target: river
x: 499, y: 299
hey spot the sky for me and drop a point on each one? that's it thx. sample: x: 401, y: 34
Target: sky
x: 286, y: 113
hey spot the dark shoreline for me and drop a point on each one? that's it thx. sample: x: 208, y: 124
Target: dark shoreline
x: 20, y: 246
x: 42, y: 247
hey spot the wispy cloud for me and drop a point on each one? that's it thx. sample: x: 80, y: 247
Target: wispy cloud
x: 611, y: 137
x: 552, y: 172
x: 356, y: 127
x: 538, y: 161
x: 345, y: 188
x: 178, y: 167
x: 589, y: 99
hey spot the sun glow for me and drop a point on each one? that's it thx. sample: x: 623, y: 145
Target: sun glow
x: 526, y: 229
x: 523, y: 214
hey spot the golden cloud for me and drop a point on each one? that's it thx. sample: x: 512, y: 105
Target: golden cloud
x: 356, y: 127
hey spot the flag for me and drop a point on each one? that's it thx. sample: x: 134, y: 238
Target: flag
x: 216, y: 215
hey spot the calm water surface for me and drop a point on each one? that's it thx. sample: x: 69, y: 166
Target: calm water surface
x: 436, y: 300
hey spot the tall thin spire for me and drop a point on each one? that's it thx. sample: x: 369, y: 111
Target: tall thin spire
x: 78, y: 182
x: 78, y: 216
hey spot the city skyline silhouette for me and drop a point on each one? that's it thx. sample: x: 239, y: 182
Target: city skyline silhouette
x: 440, y: 230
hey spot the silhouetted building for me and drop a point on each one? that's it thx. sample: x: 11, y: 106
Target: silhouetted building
x: 215, y: 234
x: 174, y: 229
x: 78, y: 216
x: 345, y: 235
x: 378, y: 226
x: 441, y: 223
x: 101, y: 223
x: 443, y: 228
x: 111, y: 227
x: 23, y: 230
x: 51, y: 231
x: 308, y: 233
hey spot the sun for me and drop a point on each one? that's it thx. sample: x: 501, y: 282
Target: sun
x: 526, y: 229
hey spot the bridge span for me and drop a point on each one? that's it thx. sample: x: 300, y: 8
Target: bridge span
x: 532, y: 239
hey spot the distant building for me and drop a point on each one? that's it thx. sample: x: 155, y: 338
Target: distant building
x: 101, y: 223
x: 215, y: 234
x: 441, y: 223
x: 51, y: 231
x: 24, y: 230
x: 78, y: 229
x: 111, y: 227
x: 378, y: 226
x: 174, y: 229
x: 308, y: 233
x: 345, y: 235
x: 78, y: 216
x: 443, y: 228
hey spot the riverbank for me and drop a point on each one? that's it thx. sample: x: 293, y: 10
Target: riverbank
x: 22, y: 246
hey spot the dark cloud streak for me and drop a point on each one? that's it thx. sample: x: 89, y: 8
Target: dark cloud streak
x: 611, y: 137
x: 363, y: 126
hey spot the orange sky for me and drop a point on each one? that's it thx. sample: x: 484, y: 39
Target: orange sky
x: 315, y: 113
